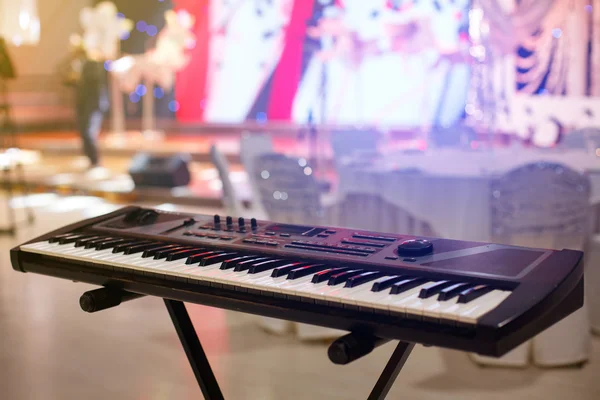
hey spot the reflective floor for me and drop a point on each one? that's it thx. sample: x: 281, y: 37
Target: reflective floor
x: 50, y: 349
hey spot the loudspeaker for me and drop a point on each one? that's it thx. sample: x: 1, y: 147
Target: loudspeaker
x: 149, y: 170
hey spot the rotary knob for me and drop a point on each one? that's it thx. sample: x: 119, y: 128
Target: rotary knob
x: 415, y: 248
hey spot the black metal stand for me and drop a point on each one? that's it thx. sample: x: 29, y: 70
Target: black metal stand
x: 342, y: 351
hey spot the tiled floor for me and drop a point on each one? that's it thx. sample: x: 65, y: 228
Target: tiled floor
x: 50, y: 349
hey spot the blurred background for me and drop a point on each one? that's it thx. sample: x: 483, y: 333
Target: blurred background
x: 471, y: 120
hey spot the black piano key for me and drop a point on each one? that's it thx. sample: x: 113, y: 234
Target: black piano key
x: 69, y: 238
x: 452, y: 291
x: 363, y: 278
x: 285, y: 269
x: 151, y: 252
x: 433, y: 288
x: 305, y: 270
x: 244, y: 265
x: 387, y: 283
x: 109, y: 244
x: 200, y: 255
x: 135, y: 247
x: 342, y: 277
x: 178, y: 255
x: 232, y: 262
x: 56, y: 238
x: 164, y: 253
x: 132, y: 242
x: 473, y: 293
x: 216, y: 258
x: 83, y: 241
x: 326, y: 274
x: 406, y: 284
x: 94, y: 243
x: 261, y: 266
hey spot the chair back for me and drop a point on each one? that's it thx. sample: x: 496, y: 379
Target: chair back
x: 541, y: 205
x: 287, y: 189
x: 585, y: 138
x: 231, y: 199
x: 350, y: 143
x: 253, y: 145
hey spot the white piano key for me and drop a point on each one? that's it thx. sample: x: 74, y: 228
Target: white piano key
x: 482, y: 306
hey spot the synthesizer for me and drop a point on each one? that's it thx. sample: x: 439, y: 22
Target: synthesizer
x: 478, y: 297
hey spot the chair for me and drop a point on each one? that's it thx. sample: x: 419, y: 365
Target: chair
x: 253, y: 145
x: 287, y: 189
x: 544, y: 205
x: 289, y: 193
x: 233, y: 204
x: 585, y: 139
x: 347, y: 144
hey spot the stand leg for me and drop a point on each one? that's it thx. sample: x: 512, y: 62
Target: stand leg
x: 391, y: 371
x: 193, y: 349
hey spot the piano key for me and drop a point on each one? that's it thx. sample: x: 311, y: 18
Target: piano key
x: 164, y: 253
x: 326, y: 274
x: 200, y: 255
x: 56, y: 239
x: 94, y: 243
x: 433, y: 288
x: 259, y: 265
x: 216, y: 258
x: 134, y: 247
x: 366, y: 296
x: 452, y: 291
x: 305, y: 270
x: 343, y: 276
x: 387, y: 282
x: 109, y: 244
x: 178, y: 255
x: 406, y: 284
x: 243, y: 264
x: 131, y: 243
x: 231, y: 263
x: 151, y: 252
x: 70, y: 238
x: 481, y: 306
x: 473, y: 293
x: 285, y: 269
x: 363, y: 278
x: 81, y: 242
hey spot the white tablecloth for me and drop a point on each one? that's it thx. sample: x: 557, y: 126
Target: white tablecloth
x: 450, y: 189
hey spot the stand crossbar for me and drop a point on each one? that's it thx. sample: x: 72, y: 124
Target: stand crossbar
x: 344, y: 350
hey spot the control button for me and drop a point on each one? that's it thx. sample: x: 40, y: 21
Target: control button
x: 272, y: 243
x: 217, y: 219
x: 187, y: 233
x: 229, y: 220
x: 379, y: 245
x: 261, y: 242
x: 226, y: 237
x: 212, y: 236
x: 204, y: 227
x: 253, y: 223
x: 241, y: 222
x: 270, y: 233
x: 330, y: 231
x: 371, y: 237
x: 321, y: 235
x: 391, y: 258
x: 410, y: 259
x: 284, y: 235
x: 249, y: 240
x: 415, y: 247
x: 229, y: 229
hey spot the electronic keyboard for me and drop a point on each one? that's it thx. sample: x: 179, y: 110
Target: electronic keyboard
x: 478, y: 297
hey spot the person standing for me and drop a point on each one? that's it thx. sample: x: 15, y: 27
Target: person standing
x: 92, y: 102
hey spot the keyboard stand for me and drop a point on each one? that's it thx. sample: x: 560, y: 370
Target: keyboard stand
x: 355, y: 345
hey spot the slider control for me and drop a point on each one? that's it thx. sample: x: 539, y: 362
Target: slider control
x: 241, y: 222
x: 253, y: 223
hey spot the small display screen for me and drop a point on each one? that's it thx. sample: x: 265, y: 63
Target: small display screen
x: 294, y: 229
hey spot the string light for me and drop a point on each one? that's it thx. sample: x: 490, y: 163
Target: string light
x: 557, y: 32
x: 134, y: 97
x: 174, y: 106
x: 261, y: 117
x: 151, y: 30
x: 159, y: 92
x: 140, y: 90
x: 141, y: 26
